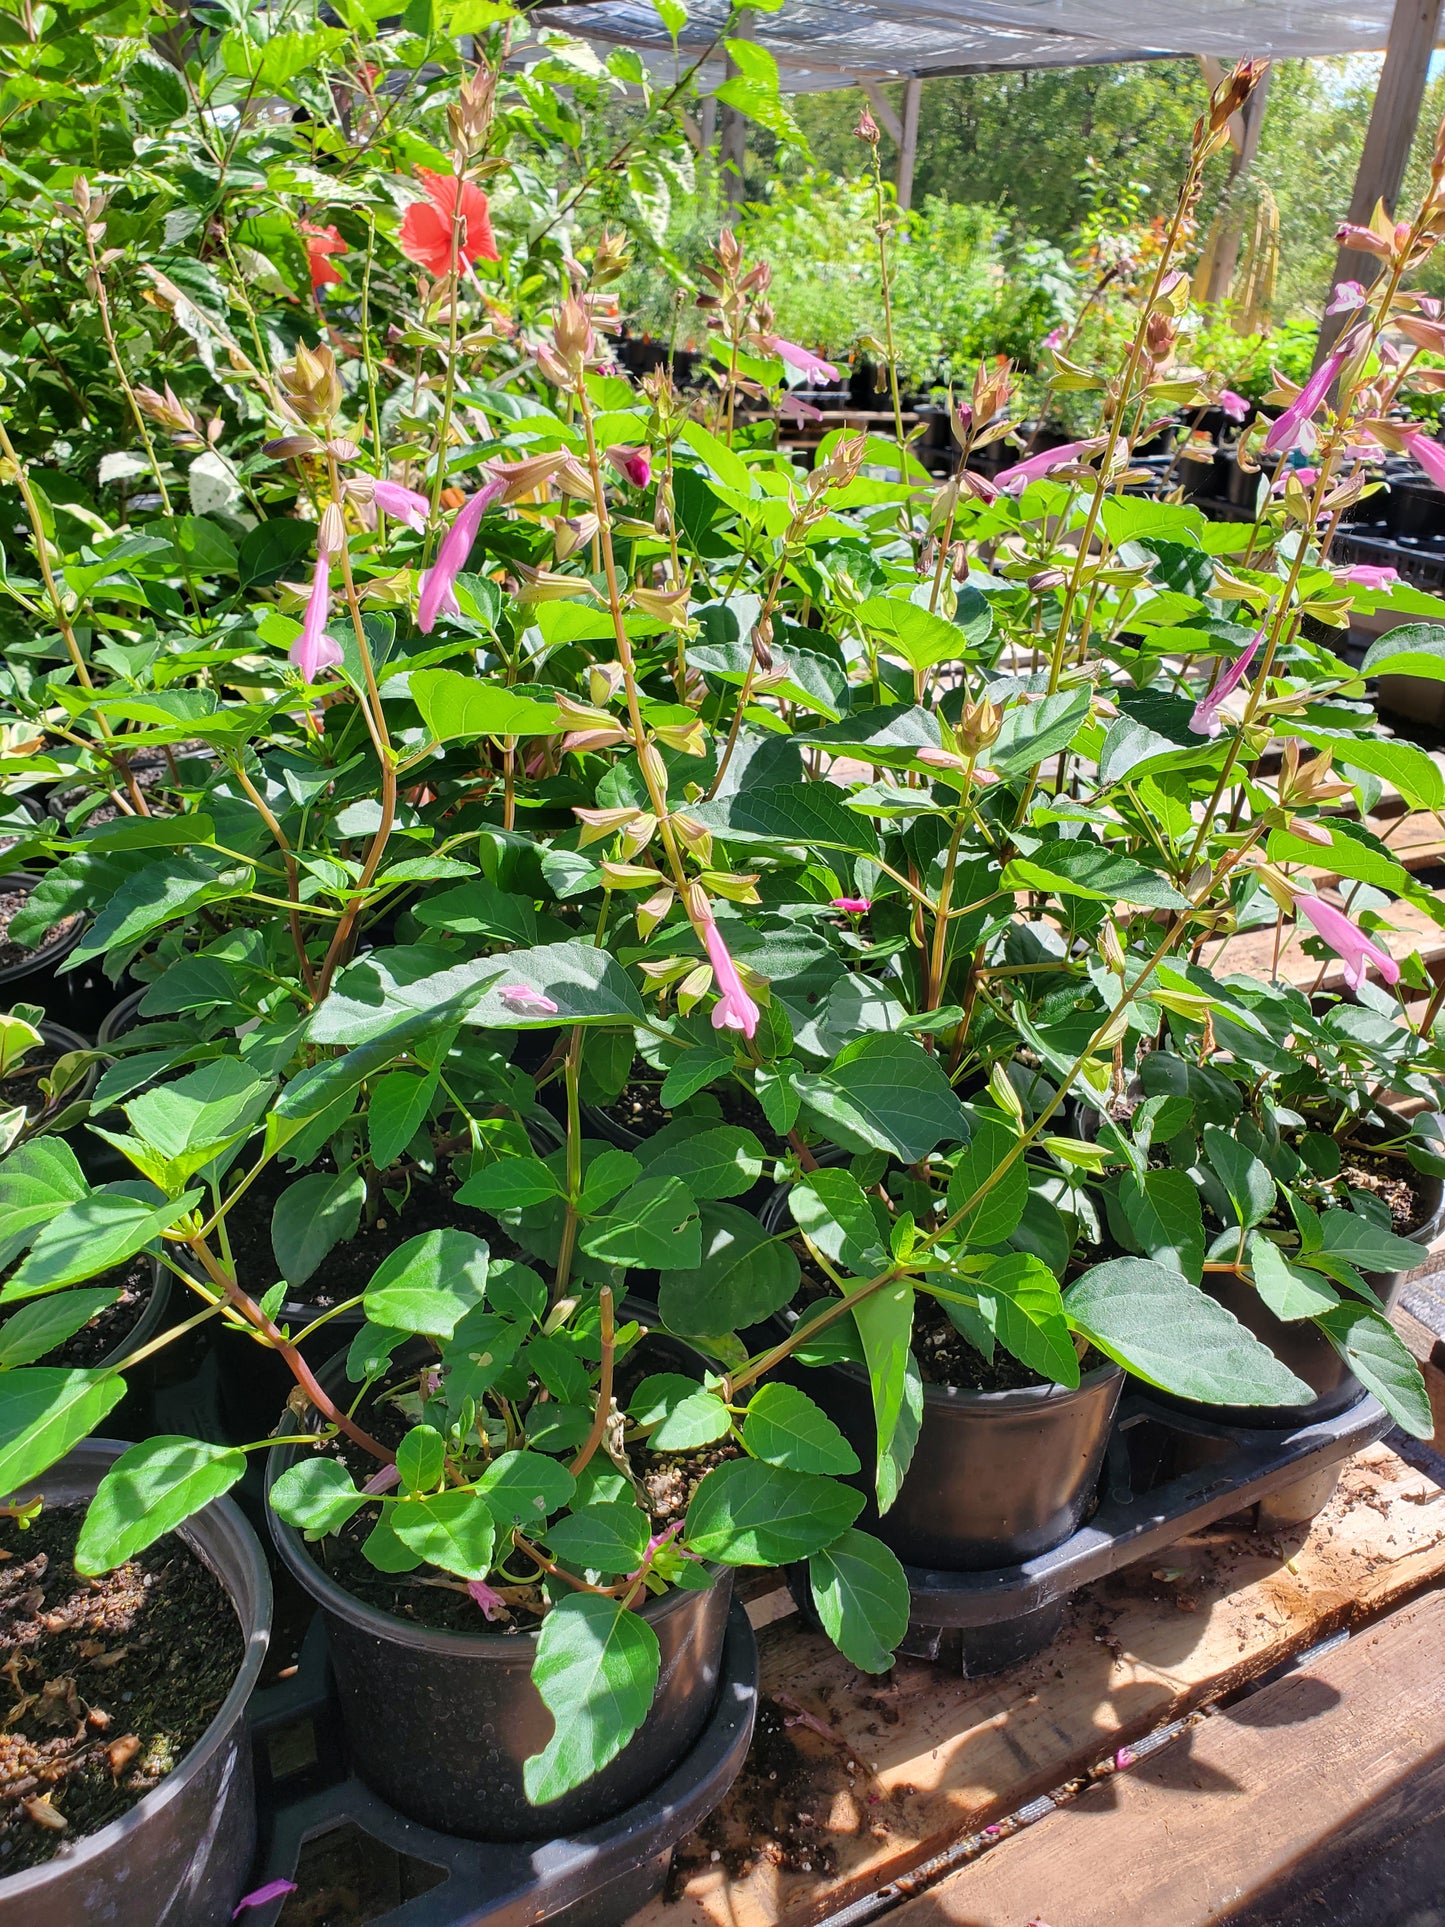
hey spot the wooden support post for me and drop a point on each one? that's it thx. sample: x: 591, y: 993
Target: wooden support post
x: 883, y: 111
x: 908, y: 145
x: 708, y: 112
x: 733, y: 146
x: 1393, y: 119
x: 1244, y: 132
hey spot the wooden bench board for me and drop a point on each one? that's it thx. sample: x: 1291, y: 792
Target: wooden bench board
x: 874, y: 1777
x: 1217, y: 1822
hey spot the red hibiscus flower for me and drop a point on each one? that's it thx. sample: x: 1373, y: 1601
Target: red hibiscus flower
x: 321, y: 241
x: 426, y: 227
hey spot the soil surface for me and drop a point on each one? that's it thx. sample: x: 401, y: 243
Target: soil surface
x: 150, y: 775
x: 1408, y: 1192
x: 109, y: 1328
x: 12, y: 902
x: 107, y: 1683
x: 639, y: 1108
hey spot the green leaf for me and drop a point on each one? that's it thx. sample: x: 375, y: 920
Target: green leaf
x: 92, y: 1236
x: 1413, y: 772
x: 524, y: 1489
x: 149, y: 1491
x: 38, y: 1328
x: 1372, y: 1348
x: 453, y: 1530
x: 693, y: 1072
x: 44, y: 1410
x: 745, y: 1513
x: 1019, y: 1297
x: 396, y: 1111
x: 884, y: 1092
x: 37, y: 1180
x: 861, y: 1593
x: 317, y: 1495
x: 1414, y: 649
x: 596, y: 1670
x: 511, y: 1184
x: 610, y: 1538
x: 784, y: 1427
x: 810, y: 816
x: 312, y: 1216
x: 831, y: 1209
x: 885, y: 1325
x: 453, y: 705
x: 191, y: 1121
x: 1289, y: 1290
x: 1035, y: 730
x: 681, y: 1413
x: 1246, y: 1178
x: 429, y: 1283
x: 1166, y: 1331
x: 720, y: 1162
x: 742, y: 1277
x: 1164, y: 1214
x: 652, y: 1227
x: 996, y: 1216
x: 922, y: 639
x: 1359, y: 1241
x: 167, y: 888
x: 420, y: 1458
x: 1081, y: 868
x: 386, y: 1552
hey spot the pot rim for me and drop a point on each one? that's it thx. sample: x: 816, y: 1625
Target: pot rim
x: 235, y: 1544
x: 334, y: 1598
x: 45, y: 954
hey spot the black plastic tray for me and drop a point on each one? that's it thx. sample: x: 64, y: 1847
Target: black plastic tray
x: 306, y: 1792
x: 1165, y: 1475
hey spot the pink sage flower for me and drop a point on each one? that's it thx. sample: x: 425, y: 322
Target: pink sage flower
x: 735, y: 1009
x: 855, y: 906
x: 523, y: 1001
x: 1205, y: 720
x: 313, y: 651
x: 1306, y: 477
x: 632, y: 464
x: 1363, y: 239
x: 273, y: 1890
x: 1369, y: 575
x: 1348, y: 296
x: 813, y: 366
x: 404, y: 504
x: 438, y: 586
x: 492, y: 1603
x: 1349, y: 942
x: 1013, y: 480
x: 1295, y: 427
x: 1054, y: 338
x: 1430, y: 455
x: 1234, y: 407
x: 799, y: 411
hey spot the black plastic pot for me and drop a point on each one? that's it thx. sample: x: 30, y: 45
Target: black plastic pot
x: 439, y: 1723
x: 1416, y: 509
x: 33, y: 980
x: 996, y: 1478
x: 180, y: 1857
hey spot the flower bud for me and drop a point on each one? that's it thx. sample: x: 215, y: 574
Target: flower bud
x: 331, y: 534
x: 312, y: 384
x: 867, y: 128
x: 978, y: 725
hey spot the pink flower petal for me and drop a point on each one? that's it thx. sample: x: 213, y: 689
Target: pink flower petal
x: 813, y: 366
x: 735, y: 1009
x: 273, y: 1890
x: 438, y: 595
x: 1349, y: 942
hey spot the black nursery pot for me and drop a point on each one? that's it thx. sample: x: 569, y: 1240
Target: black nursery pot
x: 440, y: 1723
x: 181, y: 1855
x: 33, y: 979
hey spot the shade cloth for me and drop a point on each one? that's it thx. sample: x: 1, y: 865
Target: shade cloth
x: 832, y: 43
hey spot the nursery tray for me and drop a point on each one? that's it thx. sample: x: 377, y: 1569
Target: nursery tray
x: 353, y: 1857
x: 1165, y: 1475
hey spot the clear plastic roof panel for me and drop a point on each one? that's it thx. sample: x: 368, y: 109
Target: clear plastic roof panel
x: 830, y: 43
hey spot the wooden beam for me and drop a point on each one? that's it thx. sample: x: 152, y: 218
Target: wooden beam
x: 908, y: 145
x: 733, y: 144
x: 1226, y: 253
x: 1393, y: 119
x: 1225, y: 1813
x: 883, y: 111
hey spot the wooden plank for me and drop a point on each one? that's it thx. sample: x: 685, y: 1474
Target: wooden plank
x: 854, y: 1781
x: 908, y: 145
x: 1227, y: 1809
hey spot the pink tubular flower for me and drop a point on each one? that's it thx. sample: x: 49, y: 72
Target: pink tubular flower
x: 1430, y: 455
x: 437, y: 597
x: 404, y: 504
x: 734, y: 1010
x: 632, y: 464
x: 855, y: 906
x: 1349, y: 943
x: 1348, y: 296
x: 492, y: 1603
x: 523, y: 1001
x: 1306, y: 477
x: 1234, y: 407
x: 799, y: 411
x: 1054, y: 338
x: 1295, y: 427
x: 813, y: 366
x: 1205, y: 720
x: 313, y: 651
x: 1012, y: 480
x: 1368, y: 575
x: 383, y: 1480
x: 273, y: 1890
x: 1363, y: 239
